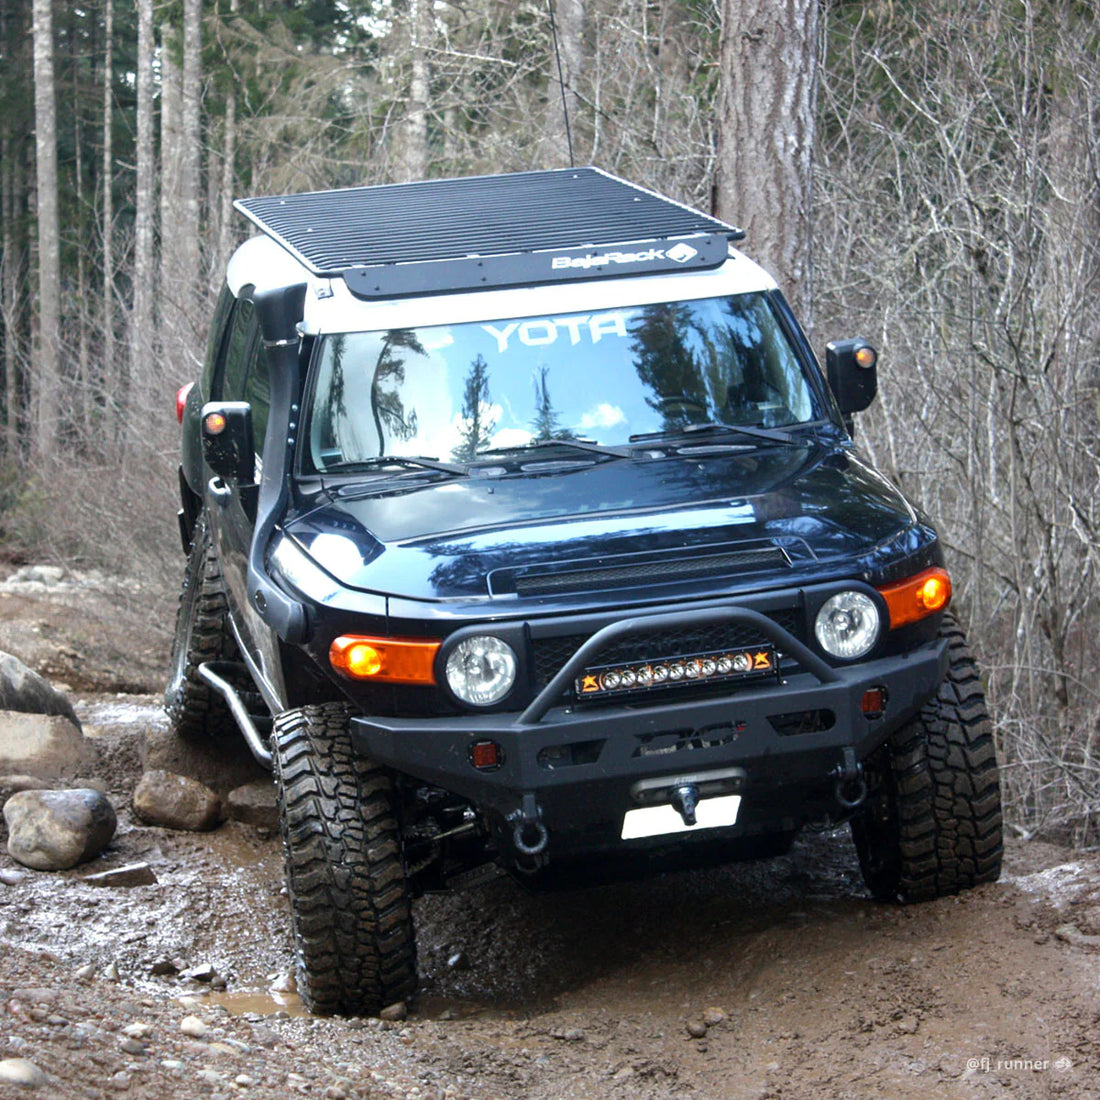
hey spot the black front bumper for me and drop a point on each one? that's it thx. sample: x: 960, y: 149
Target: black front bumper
x: 583, y: 767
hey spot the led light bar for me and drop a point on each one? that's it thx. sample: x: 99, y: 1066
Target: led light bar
x: 671, y: 672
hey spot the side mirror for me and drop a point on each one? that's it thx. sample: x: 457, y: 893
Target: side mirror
x: 851, y: 368
x: 227, y: 443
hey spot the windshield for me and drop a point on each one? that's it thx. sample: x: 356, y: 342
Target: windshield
x: 454, y: 392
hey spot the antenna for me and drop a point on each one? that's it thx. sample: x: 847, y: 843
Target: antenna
x: 561, y: 82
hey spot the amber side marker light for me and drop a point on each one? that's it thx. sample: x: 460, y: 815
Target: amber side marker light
x: 384, y: 660
x: 866, y: 356
x: 214, y: 424
x: 917, y: 597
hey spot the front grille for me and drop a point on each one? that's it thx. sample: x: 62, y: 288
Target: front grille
x: 550, y: 654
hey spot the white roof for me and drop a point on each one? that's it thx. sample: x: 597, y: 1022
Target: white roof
x: 331, y: 307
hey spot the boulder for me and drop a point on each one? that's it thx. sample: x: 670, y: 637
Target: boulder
x: 22, y: 689
x: 54, y: 830
x: 43, y: 745
x: 221, y: 763
x: 12, y: 784
x: 176, y: 802
x: 254, y: 803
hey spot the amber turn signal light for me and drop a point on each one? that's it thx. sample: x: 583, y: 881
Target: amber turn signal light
x: 384, y: 660
x: 214, y: 424
x: 866, y: 357
x: 917, y: 597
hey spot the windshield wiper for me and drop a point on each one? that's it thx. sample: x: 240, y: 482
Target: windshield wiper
x: 404, y: 464
x: 573, y: 444
x: 710, y: 428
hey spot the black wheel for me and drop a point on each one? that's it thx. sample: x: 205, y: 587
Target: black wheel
x: 344, y: 868
x: 931, y: 825
x: 202, y: 634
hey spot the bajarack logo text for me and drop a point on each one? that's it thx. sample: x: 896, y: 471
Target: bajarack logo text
x: 679, y: 253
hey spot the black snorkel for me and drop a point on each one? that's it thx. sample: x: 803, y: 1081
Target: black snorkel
x: 279, y: 312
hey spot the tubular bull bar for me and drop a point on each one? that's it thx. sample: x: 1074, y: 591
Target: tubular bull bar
x: 559, y: 766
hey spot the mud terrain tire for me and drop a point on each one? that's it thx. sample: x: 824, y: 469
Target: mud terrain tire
x: 931, y: 825
x: 344, y: 868
x: 202, y: 634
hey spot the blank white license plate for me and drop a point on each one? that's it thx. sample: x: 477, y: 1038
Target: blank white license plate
x: 711, y: 813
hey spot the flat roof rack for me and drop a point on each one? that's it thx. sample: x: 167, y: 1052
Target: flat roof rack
x: 481, y: 232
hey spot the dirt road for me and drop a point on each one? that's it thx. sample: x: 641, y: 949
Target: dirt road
x: 778, y: 979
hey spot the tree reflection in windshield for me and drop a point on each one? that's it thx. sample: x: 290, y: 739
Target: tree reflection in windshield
x: 478, y: 419
x: 667, y: 366
x: 546, y: 423
x: 385, y: 394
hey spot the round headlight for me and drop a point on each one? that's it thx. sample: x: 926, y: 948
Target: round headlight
x: 481, y: 670
x: 847, y: 626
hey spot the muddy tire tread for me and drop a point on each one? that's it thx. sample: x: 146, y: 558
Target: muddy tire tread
x: 202, y: 634
x: 942, y: 832
x: 344, y: 867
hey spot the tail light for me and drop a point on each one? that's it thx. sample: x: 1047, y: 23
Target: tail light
x: 181, y: 400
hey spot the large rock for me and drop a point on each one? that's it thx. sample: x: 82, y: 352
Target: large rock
x: 254, y: 803
x: 43, y: 745
x: 221, y: 763
x: 22, y: 689
x: 176, y: 802
x: 12, y: 784
x: 54, y: 830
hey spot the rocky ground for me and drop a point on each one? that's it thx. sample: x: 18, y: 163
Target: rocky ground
x: 778, y: 979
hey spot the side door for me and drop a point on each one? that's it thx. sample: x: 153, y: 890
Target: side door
x: 242, y: 375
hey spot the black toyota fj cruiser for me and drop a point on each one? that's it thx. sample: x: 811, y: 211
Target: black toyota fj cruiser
x: 524, y: 531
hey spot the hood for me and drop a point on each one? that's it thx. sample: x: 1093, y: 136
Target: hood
x: 426, y: 538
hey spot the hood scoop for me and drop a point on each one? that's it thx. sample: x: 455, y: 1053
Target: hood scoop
x: 632, y: 570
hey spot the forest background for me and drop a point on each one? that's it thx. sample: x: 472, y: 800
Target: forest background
x: 933, y: 175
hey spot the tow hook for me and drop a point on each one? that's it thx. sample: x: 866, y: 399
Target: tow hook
x: 851, y: 787
x: 529, y: 835
x: 684, y: 800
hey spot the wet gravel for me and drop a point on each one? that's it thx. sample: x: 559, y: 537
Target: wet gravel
x: 773, y: 980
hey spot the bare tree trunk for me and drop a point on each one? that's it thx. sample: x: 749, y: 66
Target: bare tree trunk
x: 228, y: 187
x: 10, y: 255
x: 190, y: 170
x: 80, y: 401
x: 768, y: 59
x: 10, y: 281
x: 561, y: 94
x: 47, y: 370
x: 107, y: 228
x: 222, y: 180
x: 173, y: 292
x: 141, y: 321
x: 414, y: 159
